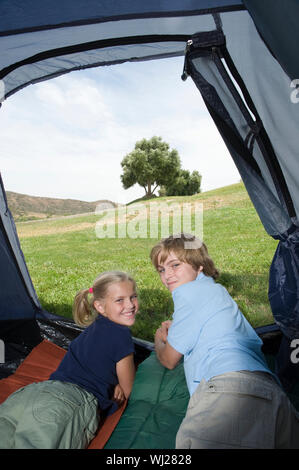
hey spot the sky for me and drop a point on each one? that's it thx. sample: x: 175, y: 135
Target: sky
x: 66, y: 137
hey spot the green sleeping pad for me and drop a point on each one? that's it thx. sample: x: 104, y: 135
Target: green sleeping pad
x: 156, y: 408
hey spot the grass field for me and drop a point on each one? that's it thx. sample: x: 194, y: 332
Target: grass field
x: 65, y: 255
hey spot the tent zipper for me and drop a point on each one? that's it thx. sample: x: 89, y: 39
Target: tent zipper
x: 185, y: 73
x: 93, y: 45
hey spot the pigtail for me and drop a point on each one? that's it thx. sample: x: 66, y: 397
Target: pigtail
x: 83, y: 311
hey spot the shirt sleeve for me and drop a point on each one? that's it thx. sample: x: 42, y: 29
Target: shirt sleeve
x: 122, y: 344
x: 183, y: 332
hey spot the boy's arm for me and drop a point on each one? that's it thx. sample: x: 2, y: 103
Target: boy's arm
x: 125, y: 369
x: 167, y: 355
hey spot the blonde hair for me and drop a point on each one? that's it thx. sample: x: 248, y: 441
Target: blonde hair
x: 188, y: 249
x: 84, y: 312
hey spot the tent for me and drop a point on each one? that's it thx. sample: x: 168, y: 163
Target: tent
x: 242, y: 57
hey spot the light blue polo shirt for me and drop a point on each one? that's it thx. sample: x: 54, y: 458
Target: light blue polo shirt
x: 211, y: 332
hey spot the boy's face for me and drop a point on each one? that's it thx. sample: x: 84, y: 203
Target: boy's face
x: 174, y: 273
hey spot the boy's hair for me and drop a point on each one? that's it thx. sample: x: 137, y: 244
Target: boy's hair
x: 188, y: 249
x: 84, y: 312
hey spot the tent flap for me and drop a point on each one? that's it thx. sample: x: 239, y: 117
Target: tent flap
x: 18, y: 299
x: 283, y: 283
x: 256, y: 161
x: 277, y: 23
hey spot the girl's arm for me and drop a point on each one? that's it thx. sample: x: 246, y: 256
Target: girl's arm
x: 125, y: 369
x: 118, y: 394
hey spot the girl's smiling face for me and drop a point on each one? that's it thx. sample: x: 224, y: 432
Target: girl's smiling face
x: 174, y: 272
x: 120, y: 304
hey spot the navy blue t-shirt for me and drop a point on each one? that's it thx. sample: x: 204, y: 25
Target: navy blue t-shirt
x: 90, y: 361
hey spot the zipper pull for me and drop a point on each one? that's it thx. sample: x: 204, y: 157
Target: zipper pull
x: 185, y: 74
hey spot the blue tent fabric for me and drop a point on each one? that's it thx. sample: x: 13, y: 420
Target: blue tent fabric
x: 18, y: 299
x: 277, y: 23
x: 39, y: 41
x: 19, y: 304
x: 283, y: 288
x: 284, y: 300
x: 33, y: 15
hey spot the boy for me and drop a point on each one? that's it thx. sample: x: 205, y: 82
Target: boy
x: 235, y: 400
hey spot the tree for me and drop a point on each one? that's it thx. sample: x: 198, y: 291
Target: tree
x: 151, y: 163
x: 185, y: 184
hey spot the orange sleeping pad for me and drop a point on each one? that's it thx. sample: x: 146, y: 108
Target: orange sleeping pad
x: 38, y: 366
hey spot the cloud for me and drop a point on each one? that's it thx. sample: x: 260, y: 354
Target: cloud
x: 66, y: 137
x: 76, y: 104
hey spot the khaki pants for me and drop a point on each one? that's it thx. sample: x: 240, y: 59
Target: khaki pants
x: 239, y: 410
x: 48, y: 415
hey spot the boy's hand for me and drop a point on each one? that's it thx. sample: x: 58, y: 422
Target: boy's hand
x: 118, y: 394
x: 167, y: 355
x: 163, y: 330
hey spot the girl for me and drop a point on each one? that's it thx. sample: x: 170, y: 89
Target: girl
x: 235, y: 401
x: 95, y: 375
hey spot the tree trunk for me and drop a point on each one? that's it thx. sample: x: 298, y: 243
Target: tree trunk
x: 149, y: 189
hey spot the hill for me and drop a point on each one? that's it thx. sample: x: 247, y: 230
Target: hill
x: 231, y: 197
x: 25, y: 207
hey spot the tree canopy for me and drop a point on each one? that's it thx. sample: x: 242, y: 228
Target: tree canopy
x: 185, y: 184
x: 150, y: 164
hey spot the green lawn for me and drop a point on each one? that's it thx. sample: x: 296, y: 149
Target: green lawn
x: 65, y: 255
